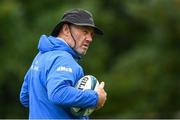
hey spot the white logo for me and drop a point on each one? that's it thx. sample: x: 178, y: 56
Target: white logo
x: 35, y: 66
x: 66, y: 69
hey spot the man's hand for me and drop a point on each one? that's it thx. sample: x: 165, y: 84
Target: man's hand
x: 101, y: 95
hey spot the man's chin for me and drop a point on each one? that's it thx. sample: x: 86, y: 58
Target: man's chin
x: 82, y: 53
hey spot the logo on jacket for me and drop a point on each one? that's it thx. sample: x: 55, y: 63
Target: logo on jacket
x: 35, y: 66
x: 63, y: 68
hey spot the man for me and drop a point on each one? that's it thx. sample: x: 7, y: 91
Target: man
x: 48, y: 88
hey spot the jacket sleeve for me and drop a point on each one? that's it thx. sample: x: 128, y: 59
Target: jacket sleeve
x: 24, y: 93
x: 61, y: 79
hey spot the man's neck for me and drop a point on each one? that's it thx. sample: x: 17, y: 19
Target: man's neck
x: 62, y: 40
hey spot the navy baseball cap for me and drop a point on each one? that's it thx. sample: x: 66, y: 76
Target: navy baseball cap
x: 78, y: 17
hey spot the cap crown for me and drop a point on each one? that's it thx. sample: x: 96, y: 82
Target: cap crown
x: 78, y: 16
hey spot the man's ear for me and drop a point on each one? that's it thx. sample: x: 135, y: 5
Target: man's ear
x: 65, y: 29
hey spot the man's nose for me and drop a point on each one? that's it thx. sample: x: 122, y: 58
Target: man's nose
x: 89, y: 37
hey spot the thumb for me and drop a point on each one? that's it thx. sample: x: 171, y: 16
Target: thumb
x: 102, y: 84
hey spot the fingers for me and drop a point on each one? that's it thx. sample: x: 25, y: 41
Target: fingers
x: 102, y: 95
x: 102, y: 84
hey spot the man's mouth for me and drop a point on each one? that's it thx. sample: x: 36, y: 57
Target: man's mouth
x: 85, y: 46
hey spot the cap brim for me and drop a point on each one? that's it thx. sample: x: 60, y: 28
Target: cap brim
x: 57, y: 28
x: 96, y: 29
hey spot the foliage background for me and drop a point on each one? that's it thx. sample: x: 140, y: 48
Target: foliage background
x: 138, y: 57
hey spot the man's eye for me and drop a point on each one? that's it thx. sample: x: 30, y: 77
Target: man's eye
x: 85, y: 32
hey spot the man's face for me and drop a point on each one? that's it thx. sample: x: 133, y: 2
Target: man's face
x: 81, y: 36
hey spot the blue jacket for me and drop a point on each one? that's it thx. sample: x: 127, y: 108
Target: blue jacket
x: 48, y: 89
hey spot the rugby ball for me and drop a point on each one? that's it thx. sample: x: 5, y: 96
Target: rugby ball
x: 86, y: 82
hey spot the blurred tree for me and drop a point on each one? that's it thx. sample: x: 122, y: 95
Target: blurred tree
x: 144, y: 82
